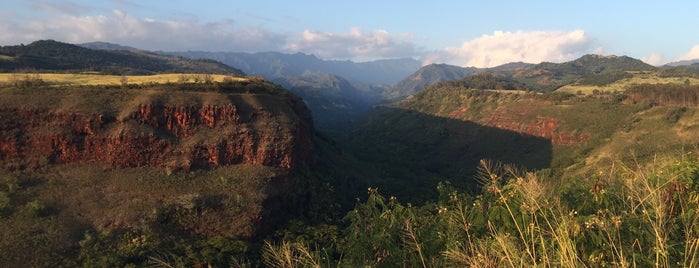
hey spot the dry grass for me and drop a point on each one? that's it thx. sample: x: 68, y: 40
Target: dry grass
x: 99, y: 79
x: 623, y: 84
x: 554, y: 234
x: 289, y: 255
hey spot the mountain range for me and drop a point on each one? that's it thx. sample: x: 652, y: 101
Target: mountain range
x: 53, y: 56
x: 275, y: 65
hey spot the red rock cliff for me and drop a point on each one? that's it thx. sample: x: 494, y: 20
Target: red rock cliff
x: 521, y: 118
x: 178, y: 137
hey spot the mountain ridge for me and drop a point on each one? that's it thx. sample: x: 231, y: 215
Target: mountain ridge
x: 334, y: 101
x: 53, y: 56
x: 276, y: 64
x: 544, y: 76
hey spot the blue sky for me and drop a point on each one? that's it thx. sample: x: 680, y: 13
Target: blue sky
x: 465, y: 33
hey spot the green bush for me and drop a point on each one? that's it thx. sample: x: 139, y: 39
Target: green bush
x: 37, y: 209
x: 4, y: 202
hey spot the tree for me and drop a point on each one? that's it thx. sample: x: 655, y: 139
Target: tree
x: 124, y: 81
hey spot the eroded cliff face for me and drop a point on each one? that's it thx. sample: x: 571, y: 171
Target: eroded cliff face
x: 520, y: 116
x: 159, y: 134
x: 541, y: 126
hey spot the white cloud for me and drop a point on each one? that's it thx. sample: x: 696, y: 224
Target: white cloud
x: 119, y: 27
x: 655, y: 59
x: 354, y: 44
x: 224, y: 35
x: 693, y: 54
x: 526, y: 46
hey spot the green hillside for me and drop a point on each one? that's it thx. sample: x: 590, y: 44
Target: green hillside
x: 53, y: 56
x: 427, y: 75
x: 582, y: 132
x: 548, y: 76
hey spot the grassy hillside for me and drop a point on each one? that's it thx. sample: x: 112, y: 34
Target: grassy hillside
x: 53, y: 56
x: 633, y: 78
x: 99, y: 93
x: 100, y: 79
x: 431, y: 136
x: 548, y: 76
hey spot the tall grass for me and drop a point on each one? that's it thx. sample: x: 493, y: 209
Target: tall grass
x: 630, y: 215
x: 639, y: 216
x: 288, y: 255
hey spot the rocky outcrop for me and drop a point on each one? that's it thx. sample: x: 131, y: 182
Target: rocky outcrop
x: 542, y: 126
x: 152, y: 134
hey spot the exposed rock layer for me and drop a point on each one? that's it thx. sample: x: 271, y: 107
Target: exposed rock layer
x: 152, y: 134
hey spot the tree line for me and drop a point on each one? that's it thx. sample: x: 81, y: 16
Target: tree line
x: 484, y: 81
x: 664, y: 94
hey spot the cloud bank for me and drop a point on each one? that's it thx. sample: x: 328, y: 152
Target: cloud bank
x: 354, y: 44
x: 224, y: 35
x: 658, y: 59
x: 525, y: 46
x: 119, y: 27
x: 655, y: 59
x: 693, y: 54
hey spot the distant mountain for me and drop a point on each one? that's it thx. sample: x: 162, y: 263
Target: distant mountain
x: 427, y: 75
x: 106, y: 46
x: 53, y: 56
x: 512, y: 66
x: 547, y: 76
x: 333, y: 100
x: 691, y: 70
x: 681, y: 63
x: 484, y: 80
x: 595, y: 64
x: 275, y: 65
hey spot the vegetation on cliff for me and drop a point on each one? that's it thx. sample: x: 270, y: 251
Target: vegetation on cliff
x: 112, y: 175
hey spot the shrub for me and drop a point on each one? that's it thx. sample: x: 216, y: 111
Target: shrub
x: 27, y: 80
x: 4, y: 202
x: 37, y: 209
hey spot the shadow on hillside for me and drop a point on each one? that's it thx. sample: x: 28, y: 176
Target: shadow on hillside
x: 410, y: 152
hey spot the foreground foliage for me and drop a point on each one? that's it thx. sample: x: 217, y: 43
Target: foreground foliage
x: 627, y: 216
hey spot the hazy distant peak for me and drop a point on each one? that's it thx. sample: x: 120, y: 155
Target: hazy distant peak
x: 682, y: 63
x: 106, y: 46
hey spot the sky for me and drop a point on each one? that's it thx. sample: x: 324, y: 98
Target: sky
x: 463, y: 33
